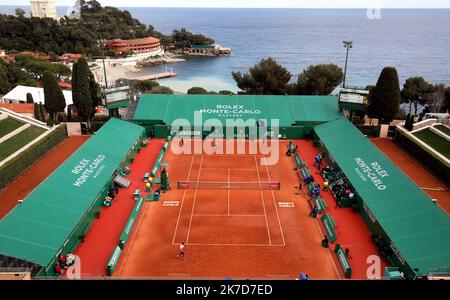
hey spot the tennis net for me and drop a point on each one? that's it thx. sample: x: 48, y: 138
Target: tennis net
x: 214, y: 185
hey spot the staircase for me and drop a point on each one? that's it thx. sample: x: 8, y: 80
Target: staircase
x: 131, y: 110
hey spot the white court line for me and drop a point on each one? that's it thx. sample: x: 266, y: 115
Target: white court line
x: 195, y: 198
x: 236, y: 245
x: 228, y: 211
x: 182, y: 201
x: 212, y: 215
x: 262, y: 200
x: 223, y: 169
x: 274, y: 202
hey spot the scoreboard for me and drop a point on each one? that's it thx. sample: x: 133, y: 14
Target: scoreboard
x: 353, y: 99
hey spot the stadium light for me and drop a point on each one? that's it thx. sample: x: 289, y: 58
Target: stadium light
x: 348, y: 45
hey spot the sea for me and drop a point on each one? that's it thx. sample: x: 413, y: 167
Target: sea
x: 416, y: 42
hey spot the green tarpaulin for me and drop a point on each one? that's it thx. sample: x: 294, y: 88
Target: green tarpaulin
x: 287, y: 109
x: 37, y: 228
x: 419, y: 229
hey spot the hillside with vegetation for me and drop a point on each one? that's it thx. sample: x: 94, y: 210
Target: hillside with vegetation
x: 71, y: 35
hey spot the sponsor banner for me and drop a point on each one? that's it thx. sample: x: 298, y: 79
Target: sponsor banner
x: 371, y: 172
x: 88, y: 169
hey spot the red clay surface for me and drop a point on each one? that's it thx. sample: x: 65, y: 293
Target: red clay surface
x: 351, y: 231
x: 32, y: 177
x: 229, y: 233
x: 103, y: 236
x: 416, y: 171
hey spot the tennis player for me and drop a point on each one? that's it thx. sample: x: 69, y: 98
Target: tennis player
x: 182, y: 250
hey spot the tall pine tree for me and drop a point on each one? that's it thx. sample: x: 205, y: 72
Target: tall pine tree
x: 82, y: 87
x: 54, y: 97
x: 384, y: 98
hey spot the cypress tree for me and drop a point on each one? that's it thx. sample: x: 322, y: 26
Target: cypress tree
x: 37, y: 112
x: 96, y: 94
x: 30, y: 98
x: 384, y: 100
x: 407, y: 121
x: 5, y: 86
x: 54, y: 97
x: 81, y: 91
x: 43, y: 113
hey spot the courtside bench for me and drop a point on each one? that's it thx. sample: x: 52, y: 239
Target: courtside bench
x: 329, y: 224
x: 343, y: 261
x: 304, y: 173
x: 292, y: 147
x: 299, y: 163
x: 319, y: 203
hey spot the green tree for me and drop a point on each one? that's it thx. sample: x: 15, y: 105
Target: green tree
x: 384, y: 97
x: 96, y: 94
x: 37, y: 112
x: 54, y: 97
x: 43, y: 113
x: 266, y: 78
x: 447, y: 100
x: 81, y: 35
x: 17, y: 76
x: 225, y: 92
x: 319, y: 79
x: 143, y: 85
x: 437, y: 101
x: 197, y: 90
x: 416, y: 92
x: 20, y: 13
x: 30, y: 98
x: 161, y: 90
x: 183, y: 39
x: 5, y: 86
x: 81, y: 92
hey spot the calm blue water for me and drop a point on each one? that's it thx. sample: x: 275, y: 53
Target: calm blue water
x: 416, y: 42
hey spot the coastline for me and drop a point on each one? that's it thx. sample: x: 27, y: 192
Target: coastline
x: 136, y: 68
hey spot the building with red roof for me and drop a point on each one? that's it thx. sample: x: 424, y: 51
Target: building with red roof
x: 149, y: 44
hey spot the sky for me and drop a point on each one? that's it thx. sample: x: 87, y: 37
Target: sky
x: 261, y: 3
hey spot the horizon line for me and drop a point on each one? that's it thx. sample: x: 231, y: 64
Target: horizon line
x: 230, y: 7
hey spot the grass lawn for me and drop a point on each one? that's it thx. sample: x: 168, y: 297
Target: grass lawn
x: 443, y: 129
x: 16, y: 142
x: 9, y: 125
x: 438, y: 143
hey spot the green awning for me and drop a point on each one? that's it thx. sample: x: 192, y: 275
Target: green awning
x: 118, y: 105
x: 419, y: 228
x: 287, y: 109
x: 37, y: 228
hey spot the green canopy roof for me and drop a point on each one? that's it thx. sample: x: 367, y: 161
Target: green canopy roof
x: 37, y: 228
x: 288, y: 109
x: 419, y: 229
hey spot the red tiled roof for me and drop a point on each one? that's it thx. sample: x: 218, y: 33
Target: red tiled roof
x: 20, y: 108
x: 65, y: 85
x: 148, y: 40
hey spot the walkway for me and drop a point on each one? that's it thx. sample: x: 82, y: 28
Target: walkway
x: 38, y: 172
x: 103, y: 236
x: 351, y: 230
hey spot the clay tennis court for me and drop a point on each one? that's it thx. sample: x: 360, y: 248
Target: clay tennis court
x: 416, y: 171
x: 40, y: 170
x: 230, y: 228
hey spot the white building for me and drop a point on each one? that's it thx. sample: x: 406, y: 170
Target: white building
x: 19, y: 95
x: 43, y: 9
